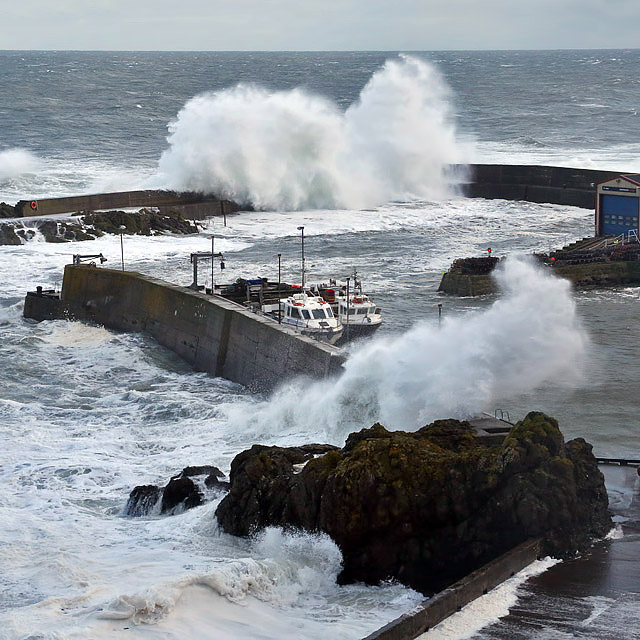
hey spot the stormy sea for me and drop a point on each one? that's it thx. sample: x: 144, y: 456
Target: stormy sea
x: 356, y: 148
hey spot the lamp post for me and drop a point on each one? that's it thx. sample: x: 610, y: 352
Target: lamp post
x: 301, y: 229
x: 213, y: 288
x: 279, y: 290
x: 122, y: 228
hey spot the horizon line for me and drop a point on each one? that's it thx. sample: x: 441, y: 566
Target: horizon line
x: 545, y: 49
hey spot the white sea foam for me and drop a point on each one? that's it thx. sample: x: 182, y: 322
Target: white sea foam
x: 487, y: 608
x: 530, y: 337
x: 293, y: 150
x: 15, y: 162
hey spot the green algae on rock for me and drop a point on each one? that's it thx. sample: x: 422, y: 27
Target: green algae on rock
x: 426, y: 508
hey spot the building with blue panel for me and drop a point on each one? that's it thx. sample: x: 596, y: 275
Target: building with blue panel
x: 618, y: 205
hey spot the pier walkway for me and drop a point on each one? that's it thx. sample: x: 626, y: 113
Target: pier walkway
x: 593, y: 597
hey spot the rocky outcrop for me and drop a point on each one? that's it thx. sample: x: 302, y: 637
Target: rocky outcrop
x: 7, y: 210
x: 180, y: 493
x: 91, y: 225
x: 145, y: 222
x: 8, y: 234
x: 428, y: 507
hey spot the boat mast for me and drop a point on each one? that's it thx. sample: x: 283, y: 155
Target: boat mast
x: 301, y: 229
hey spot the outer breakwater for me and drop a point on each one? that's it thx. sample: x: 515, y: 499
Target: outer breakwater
x: 555, y: 185
x: 210, y: 333
x: 194, y: 206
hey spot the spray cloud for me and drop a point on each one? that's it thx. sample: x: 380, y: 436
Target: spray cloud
x: 529, y: 337
x: 15, y: 162
x: 292, y: 150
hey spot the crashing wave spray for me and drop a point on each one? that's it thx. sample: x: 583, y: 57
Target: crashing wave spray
x: 291, y: 150
x: 15, y: 162
x: 531, y: 336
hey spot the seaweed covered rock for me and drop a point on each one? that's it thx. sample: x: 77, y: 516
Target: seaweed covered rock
x: 426, y: 507
x: 143, y: 222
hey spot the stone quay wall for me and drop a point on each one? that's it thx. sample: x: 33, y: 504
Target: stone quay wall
x: 193, y: 206
x: 554, y: 185
x: 212, y: 334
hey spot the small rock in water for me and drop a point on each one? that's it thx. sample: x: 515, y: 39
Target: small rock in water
x: 180, y: 492
x: 142, y: 500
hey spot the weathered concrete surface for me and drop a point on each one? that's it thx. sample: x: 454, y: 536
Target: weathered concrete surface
x: 194, y: 206
x: 598, y: 274
x: 595, y: 596
x: 448, y: 601
x: 211, y: 333
x: 555, y: 185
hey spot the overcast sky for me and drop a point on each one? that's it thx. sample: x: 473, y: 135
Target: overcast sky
x: 305, y: 25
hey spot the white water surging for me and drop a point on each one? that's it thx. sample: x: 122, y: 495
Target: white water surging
x: 530, y: 337
x: 292, y: 150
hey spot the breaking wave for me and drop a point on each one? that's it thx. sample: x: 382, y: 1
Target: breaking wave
x: 15, y: 162
x: 530, y: 337
x: 290, y: 150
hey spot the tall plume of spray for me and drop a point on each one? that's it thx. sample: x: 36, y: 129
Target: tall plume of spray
x: 529, y: 337
x: 292, y: 150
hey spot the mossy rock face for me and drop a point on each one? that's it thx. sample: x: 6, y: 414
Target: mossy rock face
x: 8, y: 234
x: 427, y: 507
x: 7, y: 210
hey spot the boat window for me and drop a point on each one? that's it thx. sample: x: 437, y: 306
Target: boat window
x: 306, y: 314
x: 318, y: 314
x: 296, y: 313
x: 329, y: 313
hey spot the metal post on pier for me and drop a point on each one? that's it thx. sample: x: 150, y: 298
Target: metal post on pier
x: 346, y: 328
x: 439, y: 314
x: 122, y: 228
x: 279, y: 290
x: 213, y: 253
x: 301, y: 229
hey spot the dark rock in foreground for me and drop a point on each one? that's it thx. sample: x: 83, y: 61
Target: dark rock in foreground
x: 426, y: 508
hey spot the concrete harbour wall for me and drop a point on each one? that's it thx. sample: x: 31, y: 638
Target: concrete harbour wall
x: 211, y: 333
x: 555, y: 185
x: 445, y: 603
x: 194, y: 206
x: 601, y: 274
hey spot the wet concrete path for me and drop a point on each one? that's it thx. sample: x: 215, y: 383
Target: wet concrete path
x: 595, y: 596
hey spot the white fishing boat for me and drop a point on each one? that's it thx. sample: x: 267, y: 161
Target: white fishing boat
x: 357, y: 312
x: 309, y: 314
